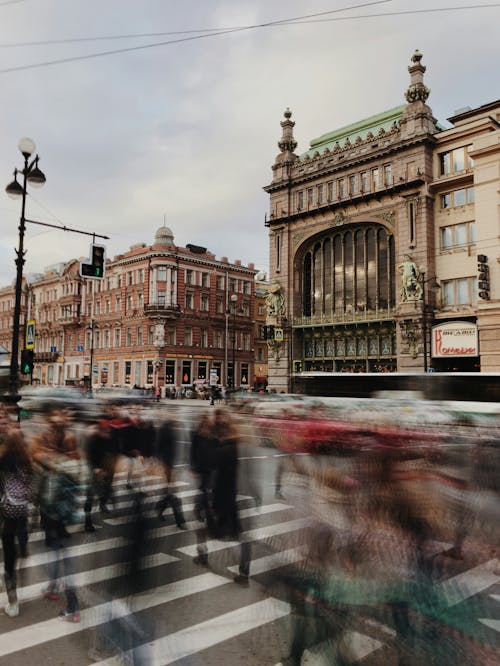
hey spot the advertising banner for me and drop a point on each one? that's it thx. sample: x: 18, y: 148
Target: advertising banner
x: 454, y: 338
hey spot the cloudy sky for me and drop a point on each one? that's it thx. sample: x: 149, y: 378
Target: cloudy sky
x: 188, y: 130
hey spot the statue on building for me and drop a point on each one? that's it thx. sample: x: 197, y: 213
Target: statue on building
x: 411, y: 289
x: 275, y: 300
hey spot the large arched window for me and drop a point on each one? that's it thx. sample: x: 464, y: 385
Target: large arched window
x: 349, y: 271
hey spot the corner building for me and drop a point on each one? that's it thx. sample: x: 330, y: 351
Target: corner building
x: 363, y: 224
x: 163, y: 315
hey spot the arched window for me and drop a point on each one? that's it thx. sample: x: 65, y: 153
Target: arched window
x: 349, y: 271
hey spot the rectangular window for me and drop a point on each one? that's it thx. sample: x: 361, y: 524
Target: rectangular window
x: 219, y: 282
x: 246, y: 287
x: 161, y: 273
x: 117, y: 338
x: 320, y: 194
x: 105, y: 336
x: 244, y: 374
x: 202, y: 369
x: 171, y: 335
x: 129, y: 302
x: 140, y: 300
x: 161, y: 298
x: 455, y: 161
x: 116, y: 372
x: 458, y: 235
x: 138, y: 373
x: 310, y: 196
x: 189, y: 300
x: 118, y: 304
x: 169, y: 372
x: 219, y: 306
x: 186, y: 372
x: 203, y: 338
x: 204, y: 302
x: 375, y: 179
x: 462, y: 291
x: 353, y: 185
x: 331, y: 191
x: 218, y: 339
x: 388, y: 175
x: 189, y: 277
x: 300, y: 204
x: 217, y: 365
x: 446, y: 200
x: 459, y: 197
x: 188, y: 336
x: 364, y: 181
x: 205, y: 280
x: 139, y: 336
x: 151, y: 334
x: 341, y: 188
x: 128, y: 337
x: 128, y: 370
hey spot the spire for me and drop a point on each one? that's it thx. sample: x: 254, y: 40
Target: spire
x: 287, y: 143
x: 417, y: 90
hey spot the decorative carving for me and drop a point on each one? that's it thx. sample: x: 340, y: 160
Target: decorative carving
x: 411, y: 289
x: 358, y: 141
x: 347, y: 143
x: 410, y: 334
x: 275, y: 348
x: 381, y: 132
x: 339, y: 219
x: 389, y: 216
x: 336, y: 147
x: 296, y: 238
x: 370, y: 136
x: 275, y: 300
x: 417, y: 92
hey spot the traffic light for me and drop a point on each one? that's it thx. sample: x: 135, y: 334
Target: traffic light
x: 270, y: 332
x: 27, y: 359
x: 297, y: 366
x: 94, y: 269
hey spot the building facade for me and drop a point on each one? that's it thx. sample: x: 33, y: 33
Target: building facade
x: 375, y: 234
x: 162, y: 316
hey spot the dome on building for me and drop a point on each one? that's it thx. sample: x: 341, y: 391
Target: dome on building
x: 164, y: 236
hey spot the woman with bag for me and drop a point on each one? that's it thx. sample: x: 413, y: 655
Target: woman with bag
x: 16, y: 473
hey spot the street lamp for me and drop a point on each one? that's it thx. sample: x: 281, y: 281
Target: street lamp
x: 30, y: 174
x: 232, y: 378
x: 434, y: 286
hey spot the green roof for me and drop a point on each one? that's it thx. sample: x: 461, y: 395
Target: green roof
x: 372, y: 124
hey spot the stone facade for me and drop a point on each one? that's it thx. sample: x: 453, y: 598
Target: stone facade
x: 356, y: 239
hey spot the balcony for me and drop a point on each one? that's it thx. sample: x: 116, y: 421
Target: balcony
x: 162, y: 310
x: 343, y: 318
x: 46, y: 357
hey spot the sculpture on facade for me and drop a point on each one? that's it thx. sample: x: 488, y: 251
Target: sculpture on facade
x: 275, y: 300
x: 411, y: 289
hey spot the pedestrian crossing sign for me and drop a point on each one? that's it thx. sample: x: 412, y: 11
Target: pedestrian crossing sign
x: 30, y: 334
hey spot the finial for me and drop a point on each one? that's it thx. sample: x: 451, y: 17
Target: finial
x: 287, y: 113
x: 287, y: 143
x: 417, y: 56
x: 417, y: 91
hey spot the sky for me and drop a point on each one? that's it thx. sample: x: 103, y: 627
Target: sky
x: 187, y: 132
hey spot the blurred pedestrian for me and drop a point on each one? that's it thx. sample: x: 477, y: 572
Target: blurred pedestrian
x: 166, y: 450
x: 201, y: 464
x: 16, y: 474
x: 58, y: 461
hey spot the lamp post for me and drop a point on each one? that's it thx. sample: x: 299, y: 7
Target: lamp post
x: 30, y: 174
x: 232, y: 379
x: 434, y: 287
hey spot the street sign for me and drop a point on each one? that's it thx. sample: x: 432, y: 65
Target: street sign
x: 79, y: 348
x: 53, y: 350
x: 95, y: 369
x: 278, y: 334
x: 30, y: 334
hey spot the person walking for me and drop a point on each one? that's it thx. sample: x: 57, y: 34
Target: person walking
x: 201, y: 464
x: 58, y: 461
x: 16, y: 474
x: 166, y: 450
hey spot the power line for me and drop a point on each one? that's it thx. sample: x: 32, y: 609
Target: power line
x: 10, y: 2
x: 216, y: 33
x: 211, y: 31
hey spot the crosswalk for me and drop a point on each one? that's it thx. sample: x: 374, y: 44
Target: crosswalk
x: 178, y: 610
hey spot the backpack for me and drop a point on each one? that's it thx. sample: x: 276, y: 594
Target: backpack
x: 17, y: 494
x: 59, y: 494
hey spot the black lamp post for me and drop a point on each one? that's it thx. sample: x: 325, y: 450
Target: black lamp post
x: 30, y: 174
x: 434, y: 287
x: 232, y: 378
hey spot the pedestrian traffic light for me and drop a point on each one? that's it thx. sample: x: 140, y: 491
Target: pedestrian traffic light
x: 297, y: 366
x: 27, y: 358
x: 270, y: 333
x: 94, y: 269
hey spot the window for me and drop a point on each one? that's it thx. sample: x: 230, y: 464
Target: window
x: 331, y: 191
x: 261, y: 310
x: 188, y: 336
x: 364, y: 181
x: 232, y: 285
x: 219, y: 282
x: 341, y: 188
x: 186, y: 372
x: 140, y: 300
x: 118, y: 304
x: 218, y: 339
x: 246, y: 287
x: 149, y: 372
x: 117, y: 338
x: 128, y: 337
x: 245, y: 341
x: 462, y: 291
x: 464, y: 195
x: 204, y: 302
x: 98, y: 307
x: 128, y: 370
x: 151, y: 334
x: 205, y: 280
x: 219, y: 306
x: 353, y: 185
x: 189, y: 277
x: 458, y: 235
x: 245, y: 307
x: 320, y: 194
x: 203, y: 338
x: 129, y: 278
x: 300, y: 204
x: 310, y: 196
x: 161, y: 298
x: 202, y: 369
x: 105, y: 342
x: 455, y: 161
x: 129, y: 302
x: 139, y: 336
x: 388, y: 175
x: 169, y: 372
x: 189, y: 300
x: 107, y: 306
x: 161, y: 273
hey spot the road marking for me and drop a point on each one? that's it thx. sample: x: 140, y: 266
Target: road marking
x: 30, y: 592
x: 469, y: 583
x: 258, y: 534
x: 489, y: 622
x: 270, y: 562
x: 36, y: 634
x: 202, y: 636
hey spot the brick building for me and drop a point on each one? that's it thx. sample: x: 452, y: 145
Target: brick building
x: 363, y: 223
x: 163, y: 315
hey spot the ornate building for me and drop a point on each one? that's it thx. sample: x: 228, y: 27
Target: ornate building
x: 163, y: 315
x: 363, y: 224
